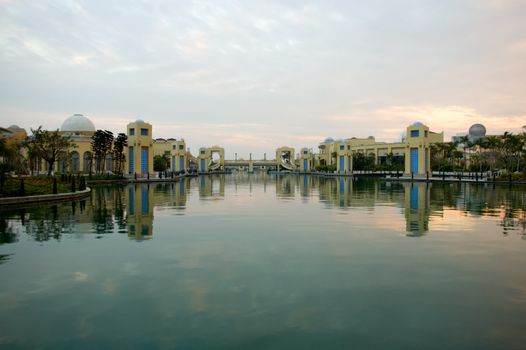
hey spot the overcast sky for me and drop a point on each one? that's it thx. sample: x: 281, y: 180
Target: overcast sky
x: 255, y: 75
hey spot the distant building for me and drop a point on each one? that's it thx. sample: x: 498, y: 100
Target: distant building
x: 475, y: 133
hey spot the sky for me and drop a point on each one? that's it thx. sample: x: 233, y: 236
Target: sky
x: 255, y: 75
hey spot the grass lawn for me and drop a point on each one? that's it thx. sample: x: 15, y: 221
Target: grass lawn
x: 34, y: 186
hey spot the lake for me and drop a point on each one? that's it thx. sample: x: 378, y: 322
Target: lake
x: 257, y: 261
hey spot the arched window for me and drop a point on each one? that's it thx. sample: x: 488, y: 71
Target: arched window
x: 75, y: 161
x: 62, y: 162
x: 87, y: 162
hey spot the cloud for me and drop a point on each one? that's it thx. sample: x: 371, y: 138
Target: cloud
x: 255, y: 75
x: 449, y: 119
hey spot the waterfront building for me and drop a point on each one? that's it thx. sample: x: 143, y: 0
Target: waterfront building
x: 13, y: 134
x: 414, y: 148
x: 306, y: 160
x: 140, y: 148
x: 285, y: 158
x: 79, y: 158
x: 211, y: 159
x: 412, y: 152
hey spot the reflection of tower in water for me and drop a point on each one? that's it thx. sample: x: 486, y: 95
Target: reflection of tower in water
x: 417, y: 208
x: 212, y: 186
x: 179, y: 191
x: 139, y: 216
x: 285, y: 186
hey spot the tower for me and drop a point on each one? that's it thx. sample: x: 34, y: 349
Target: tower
x: 140, y: 148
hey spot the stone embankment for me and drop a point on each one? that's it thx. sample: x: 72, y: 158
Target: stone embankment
x: 44, y: 198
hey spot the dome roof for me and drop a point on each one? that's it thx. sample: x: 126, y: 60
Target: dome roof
x: 77, y: 122
x: 328, y: 139
x: 477, y: 130
x: 418, y: 124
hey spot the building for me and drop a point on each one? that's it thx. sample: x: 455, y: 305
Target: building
x: 475, y: 133
x: 414, y: 149
x: 412, y: 152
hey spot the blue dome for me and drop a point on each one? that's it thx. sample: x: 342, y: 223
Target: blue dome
x: 328, y: 140
x: 418, y: 124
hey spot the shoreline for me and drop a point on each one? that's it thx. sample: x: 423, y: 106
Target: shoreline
x: 44, y: 198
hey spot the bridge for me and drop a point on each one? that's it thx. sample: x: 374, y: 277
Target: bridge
x: 250, y: 164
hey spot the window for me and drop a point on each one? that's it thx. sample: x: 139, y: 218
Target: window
x: 348, y: 147
x: 414, y: 133
x: 425, y: 133
x: 181, y: 147
x: 132, y: 132
x: 342, y: 147
x: 173, y: 147
x: 305, y: 152
x: 144, y: 132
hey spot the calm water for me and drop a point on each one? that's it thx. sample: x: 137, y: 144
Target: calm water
x: 262, y: 262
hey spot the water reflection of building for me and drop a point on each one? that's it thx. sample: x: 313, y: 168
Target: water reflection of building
x: 417, y: 208
x: 212, y: 186
x: 139, y: 217
x: 368, y: 193
x: 179, y: 192
x: 286, y: 186
x: 306, y: 183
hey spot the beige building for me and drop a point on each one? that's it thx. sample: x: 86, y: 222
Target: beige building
x: 79, y: 158
x: 306, y: 160
x: 140, y: 148
x: 285, y: 158
x: 211, y: 159
x: 414, y: 147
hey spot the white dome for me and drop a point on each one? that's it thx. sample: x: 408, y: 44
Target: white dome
x: 77, y: 122
x: 477, y: 130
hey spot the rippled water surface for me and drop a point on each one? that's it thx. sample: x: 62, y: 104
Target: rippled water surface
x: 264, y: 262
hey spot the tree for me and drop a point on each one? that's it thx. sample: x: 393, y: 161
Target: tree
x: 466, y: 144
x: 492, y: 143
x: 101, y: 145
x: 363, y: 162
x: 444, y: 156
x: 161, y: 163
x: 48, y: 145
x: 479, y: 160
x: 512, y: 147
x: 118, y: 153
x: 5, y: 163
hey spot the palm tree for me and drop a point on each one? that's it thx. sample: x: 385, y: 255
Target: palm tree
x: 466, y: 144
x: 511, y: 149
x: 492, y: 143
